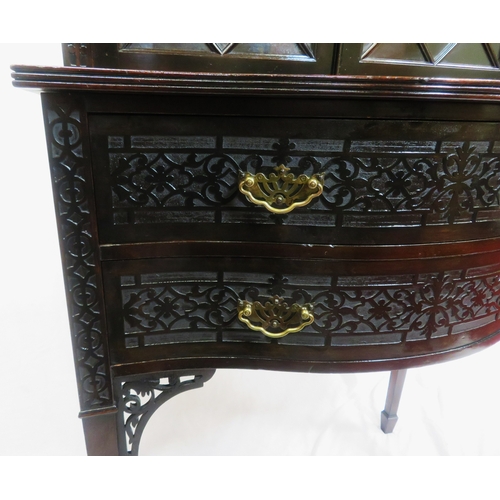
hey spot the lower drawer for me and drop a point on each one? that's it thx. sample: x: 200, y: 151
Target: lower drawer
x: 310, y: 315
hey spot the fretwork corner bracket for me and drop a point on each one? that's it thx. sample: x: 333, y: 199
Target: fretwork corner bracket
x: 140, y: 396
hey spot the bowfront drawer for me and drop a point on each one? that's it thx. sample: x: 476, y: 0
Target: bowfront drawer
x: 164, y: 178
x: 299, y: 311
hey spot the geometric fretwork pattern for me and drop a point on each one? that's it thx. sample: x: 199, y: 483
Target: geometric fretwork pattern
x: 367, y: 183
x: 168, y: 308
x: 461, y: 55
x: 69, y: 170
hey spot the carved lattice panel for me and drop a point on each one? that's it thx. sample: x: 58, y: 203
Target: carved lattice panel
x: 186, y: 307
x: 369, y: 180
x: 68, y: 149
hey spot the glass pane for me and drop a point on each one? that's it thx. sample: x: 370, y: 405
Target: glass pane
x: 467, y: 54
x: 278, y: 49
x: 400, y: 52
x: 438, y: 50
x: 165, y: 47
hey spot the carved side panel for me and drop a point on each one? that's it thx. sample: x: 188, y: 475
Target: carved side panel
x: 71, y: 180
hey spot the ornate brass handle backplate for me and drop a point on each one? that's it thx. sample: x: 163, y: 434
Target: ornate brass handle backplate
x: 276, y: 318
x: 282, y: 192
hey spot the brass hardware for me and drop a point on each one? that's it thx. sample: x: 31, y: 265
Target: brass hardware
x: 281, y: 192
x: 275, y: 319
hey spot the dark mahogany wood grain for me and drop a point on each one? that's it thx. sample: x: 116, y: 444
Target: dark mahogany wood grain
x: 402, y: 261
x: 99, y: 79
x: 476, y: 60
x: 101, y: 437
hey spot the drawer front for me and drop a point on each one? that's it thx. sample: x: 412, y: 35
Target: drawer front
x: 195, y: 308
x: 162, y: 178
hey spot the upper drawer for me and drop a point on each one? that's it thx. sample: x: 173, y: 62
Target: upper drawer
x: 164, y: 178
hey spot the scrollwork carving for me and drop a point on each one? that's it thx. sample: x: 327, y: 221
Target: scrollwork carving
x: 458, y: 183
x: 156, y: 180
x: 347, y: 310
x: 139, y: 398
x: 69, y: 166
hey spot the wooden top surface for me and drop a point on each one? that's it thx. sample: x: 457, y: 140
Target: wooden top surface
x: 125, y: 80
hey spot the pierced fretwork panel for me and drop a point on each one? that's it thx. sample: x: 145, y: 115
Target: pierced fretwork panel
x: 139, y: 397
x: 191, y: 307
x: 370, y: 183
x: 70, y: 170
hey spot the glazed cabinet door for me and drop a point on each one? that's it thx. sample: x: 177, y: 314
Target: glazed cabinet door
x: 439, y: 60
x: 284, y: 58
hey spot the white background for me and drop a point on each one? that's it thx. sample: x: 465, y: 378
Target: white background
x: 447, y: 409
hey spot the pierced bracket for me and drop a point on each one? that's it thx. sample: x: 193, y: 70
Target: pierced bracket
x: 139, y: 397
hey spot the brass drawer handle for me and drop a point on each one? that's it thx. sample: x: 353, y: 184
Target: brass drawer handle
x: 281, y: 192
x: 275, y: 319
